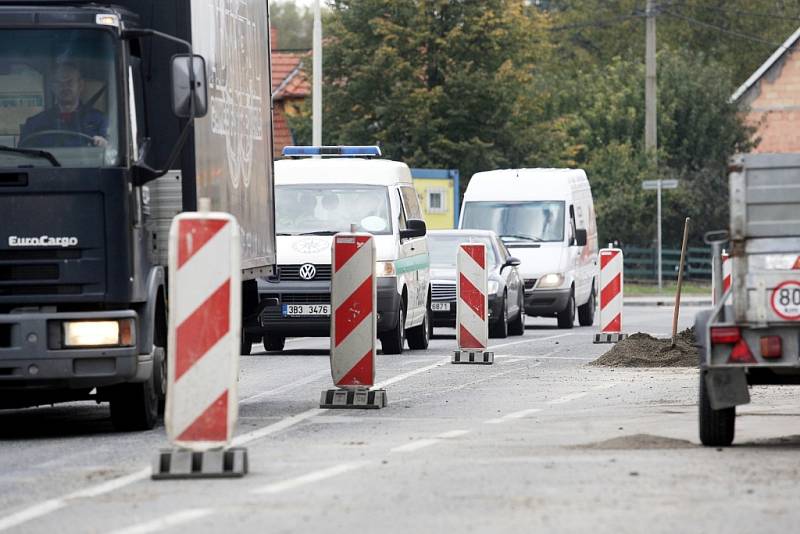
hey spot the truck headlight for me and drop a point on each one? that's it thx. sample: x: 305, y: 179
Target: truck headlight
x: 98, y: 333
x: 493, y: 287
x: 385, y: 268
x: 551, y: 280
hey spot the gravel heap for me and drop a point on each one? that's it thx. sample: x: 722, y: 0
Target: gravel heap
x: 643, y: 350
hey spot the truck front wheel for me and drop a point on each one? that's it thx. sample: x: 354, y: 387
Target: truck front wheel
x: 135, y: 406
x: 716, y: 426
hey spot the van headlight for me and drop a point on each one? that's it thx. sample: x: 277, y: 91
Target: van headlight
x: 551, y: 280
x: 385, y: 268
x: 493, y: 287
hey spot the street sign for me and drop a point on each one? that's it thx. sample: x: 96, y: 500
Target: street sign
x: 665, y: 184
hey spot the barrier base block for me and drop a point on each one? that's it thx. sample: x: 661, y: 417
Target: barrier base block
x: 363, y: 399
x: 481, y: 357
x: 605, y: 337
x: 216, y: 463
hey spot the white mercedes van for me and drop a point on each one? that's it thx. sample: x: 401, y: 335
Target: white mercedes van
x: 546, y: 219
x: 316, y: 197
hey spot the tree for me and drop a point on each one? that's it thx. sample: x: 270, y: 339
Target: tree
x: 294, y: 25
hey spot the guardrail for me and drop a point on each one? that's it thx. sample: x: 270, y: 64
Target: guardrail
x: 640, y: 263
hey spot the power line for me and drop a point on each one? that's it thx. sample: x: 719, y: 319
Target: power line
x: 721, y: 29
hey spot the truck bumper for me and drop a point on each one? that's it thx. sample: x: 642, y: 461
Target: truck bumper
x: 546, y: 302
x: 273, y: 296
x: 30, y: 358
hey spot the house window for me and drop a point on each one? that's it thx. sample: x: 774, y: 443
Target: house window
x: 436, y: 201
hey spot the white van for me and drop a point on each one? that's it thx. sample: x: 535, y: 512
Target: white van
x: 546, y: 219
x: 314, y: 199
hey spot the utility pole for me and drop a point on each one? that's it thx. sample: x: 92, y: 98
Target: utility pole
x: 316, y: 82
x: 650, y: 130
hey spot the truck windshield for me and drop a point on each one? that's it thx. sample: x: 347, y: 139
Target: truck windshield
x: 58, y: 99
x: 517, y: 221
x: 325, y: 209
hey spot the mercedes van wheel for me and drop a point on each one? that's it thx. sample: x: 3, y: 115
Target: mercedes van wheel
x: 566, y: 317
x: 586, y: 311
x: 392, y: 342
x: 274, y: 342
x: 419, y: 336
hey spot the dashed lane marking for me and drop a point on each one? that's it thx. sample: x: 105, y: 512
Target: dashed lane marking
x: 514, y: 415
x: 172, y: 520
x: 427, y: 442
x: 308, y: 478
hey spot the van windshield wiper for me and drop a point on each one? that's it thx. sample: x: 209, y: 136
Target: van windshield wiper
x: 519, y: 236
x: 31, y: 152
x: 319, y: 232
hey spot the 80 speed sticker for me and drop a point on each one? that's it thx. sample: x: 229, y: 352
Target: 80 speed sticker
x: 786, y: 300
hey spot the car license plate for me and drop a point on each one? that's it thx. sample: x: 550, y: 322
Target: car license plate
x: 292, y: 310
x: 440, y: 306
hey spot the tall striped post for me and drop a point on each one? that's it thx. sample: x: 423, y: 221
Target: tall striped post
x: 611, y: 293
x: 203, y: 343
x: 727, y: 270
x: 353, y: 324
x: 472, y: 321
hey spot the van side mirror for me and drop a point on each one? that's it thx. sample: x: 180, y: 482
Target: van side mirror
x: 511, y: 262
x: 580, y: 237
x: 184, y: 95
x: 414, y: 228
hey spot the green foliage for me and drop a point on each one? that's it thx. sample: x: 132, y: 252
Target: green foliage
x: 293, y: 24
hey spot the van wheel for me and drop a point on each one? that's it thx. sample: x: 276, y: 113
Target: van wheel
x: 273, y: 342
x: 566, y: 318
x: 134, y: 406
x: 419, y: 336
x: 586, y: 311
x: 717, y: 427
x: 517, y: 326
x: 499, y: 329
x: 246, y: 345
x: 392, y: 342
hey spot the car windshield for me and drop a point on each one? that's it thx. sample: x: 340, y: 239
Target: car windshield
x: 517, y: 221
x: 331, y: 208
x: 58, y: 99
x: 443, y: 248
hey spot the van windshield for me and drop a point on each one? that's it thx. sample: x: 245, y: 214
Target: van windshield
x: 325, y: 209
x: 443, y: 248
x: 517, y: 221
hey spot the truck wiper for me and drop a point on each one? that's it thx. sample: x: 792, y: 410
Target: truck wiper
x: 519, y: 236
x: 31, y: 152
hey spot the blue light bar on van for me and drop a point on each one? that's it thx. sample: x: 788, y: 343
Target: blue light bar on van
x: 332, y: 151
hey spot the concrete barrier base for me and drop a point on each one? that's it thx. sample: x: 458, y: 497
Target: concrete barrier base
x: 609, y: 338
x: 183, y: 463
x: 471, y: 356
x: 364, y: 399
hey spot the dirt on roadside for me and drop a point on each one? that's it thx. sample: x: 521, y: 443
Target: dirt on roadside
x: 643, y: 350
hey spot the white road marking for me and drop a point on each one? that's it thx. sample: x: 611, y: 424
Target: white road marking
x: 528, y: 340
x: 287, y: 387
x: 409, y: 374
x: 283, y: 424
x: 184, y: 516
x: 416, y: 445
x: 514, y: 415
x: 568, y: 398
x: 314, y: 476
x: 453, y: 434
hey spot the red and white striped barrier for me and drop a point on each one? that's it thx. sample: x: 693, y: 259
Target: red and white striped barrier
x: 727, y: 269
x: 203, y: 341
x: 353, y: 324
x: 611, y: 292
x: 472, y: 318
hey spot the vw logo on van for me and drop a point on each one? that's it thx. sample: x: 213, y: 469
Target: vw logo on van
x: 308, y: 271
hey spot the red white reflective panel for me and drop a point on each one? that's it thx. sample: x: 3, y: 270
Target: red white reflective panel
x: 771, y: 347
x: 721, y: 335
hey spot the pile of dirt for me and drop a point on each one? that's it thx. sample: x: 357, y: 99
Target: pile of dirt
x: 643, y: 350
x: 639, y: 441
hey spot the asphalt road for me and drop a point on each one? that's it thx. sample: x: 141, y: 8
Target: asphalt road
x: 539, y: 441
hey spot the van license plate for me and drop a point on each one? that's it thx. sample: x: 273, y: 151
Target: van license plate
x: 440, y: 306
x: 292, y: 310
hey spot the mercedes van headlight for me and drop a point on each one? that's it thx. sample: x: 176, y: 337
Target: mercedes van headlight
x: 385, y: 268
x: 551, y: 280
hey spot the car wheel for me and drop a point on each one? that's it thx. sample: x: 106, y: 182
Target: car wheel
x: 419, y: 336
x: 392, y: 342
x: 274, y: 342
x: 566, y: 317
x: 500, y: 327
x: 517, y: 326
x: 586, y: 311
x: 246, y: 345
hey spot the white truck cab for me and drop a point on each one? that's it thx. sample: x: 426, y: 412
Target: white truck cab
x: 340, y: 189
x: 546, y: 219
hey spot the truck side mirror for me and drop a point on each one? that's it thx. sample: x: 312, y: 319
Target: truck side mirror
x: 580, y: 237
x: 183, y: 94
x: 414, y: 228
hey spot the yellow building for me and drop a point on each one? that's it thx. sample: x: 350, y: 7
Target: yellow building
x: 438, y: 192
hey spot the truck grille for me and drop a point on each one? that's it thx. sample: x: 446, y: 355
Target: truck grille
x: 292, y: 273
x: 59, y: 289
x: 10, y: 273
x: 443, y: 291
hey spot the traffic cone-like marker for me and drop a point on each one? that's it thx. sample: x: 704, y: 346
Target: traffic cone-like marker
x: 472, y: 326
x: 726, y: 275
x: 611, y: 291
x: 203, y: 341
x: 353, y: 324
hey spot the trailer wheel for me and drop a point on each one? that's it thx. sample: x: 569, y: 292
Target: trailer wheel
x: 716, y: 426
x: 134, y: 406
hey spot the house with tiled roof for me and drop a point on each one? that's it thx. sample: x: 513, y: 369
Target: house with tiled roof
x: 290, y: 87
x: 771, y: 98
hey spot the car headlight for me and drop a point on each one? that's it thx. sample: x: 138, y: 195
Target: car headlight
x: 493, y: 287
x: 551, y: 280
x: 385, y: 268
x: 98, y: 333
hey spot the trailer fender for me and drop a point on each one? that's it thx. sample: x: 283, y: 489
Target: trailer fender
x: 726, y: 387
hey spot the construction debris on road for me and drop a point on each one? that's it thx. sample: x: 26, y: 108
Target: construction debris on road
x: 643, y: 350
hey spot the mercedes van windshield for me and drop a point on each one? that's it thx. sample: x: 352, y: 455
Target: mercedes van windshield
x: 538, y: 221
